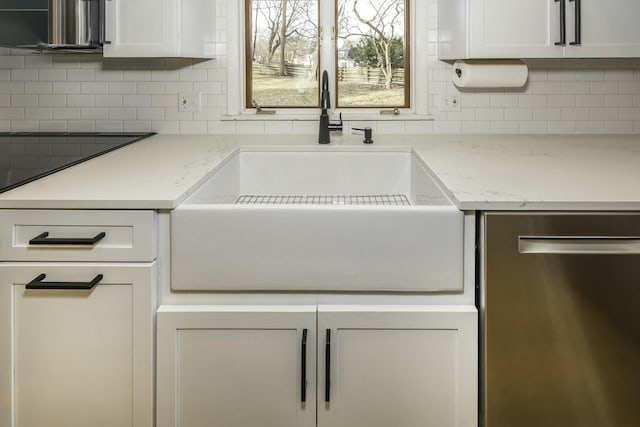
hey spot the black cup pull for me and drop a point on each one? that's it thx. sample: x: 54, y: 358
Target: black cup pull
x: 38, y: 283
x: 578, y: 31
x: 303, y: 370
x: 44, y: 239
x: 327, y: 367
x: 563, y: 30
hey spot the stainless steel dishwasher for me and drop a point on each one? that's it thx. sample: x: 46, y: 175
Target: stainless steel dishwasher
x: 559, y: 302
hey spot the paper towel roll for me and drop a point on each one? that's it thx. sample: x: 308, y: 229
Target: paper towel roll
x: 489, y: 73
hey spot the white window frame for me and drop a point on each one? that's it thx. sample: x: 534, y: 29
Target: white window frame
x: 236, y: 67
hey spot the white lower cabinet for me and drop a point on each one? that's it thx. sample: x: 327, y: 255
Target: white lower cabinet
x: 76, y: 358
x: 237, y: 366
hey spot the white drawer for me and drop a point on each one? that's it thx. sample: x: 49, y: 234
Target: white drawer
x: 61, y: 235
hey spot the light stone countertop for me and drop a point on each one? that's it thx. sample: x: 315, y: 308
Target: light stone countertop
x: 479, y: 172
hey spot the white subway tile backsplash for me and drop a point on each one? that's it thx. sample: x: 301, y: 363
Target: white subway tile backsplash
x: 476, y: 126
x: 121, y: 88
x: 629, y: 114
x: 24, y: 126
x: 618, y: 75
x: 618, y: 126
x: 80, y: 100
x: 136, y: 126
x: 540, y: 114
x: 108, y: 75
x: 136, y: 75
x: 575, y: 113
x: 151, y: 114
x: 136, y: 100
x: 562, y: 127
x: 94, y: 113
x: 603, y: 113
x: 66, y: 88
x: 575, y: 88
x: 546, y: 88
x: 52, y: 100
x: 75, y: 92
x: 588, y: 75
x: 504, y: 127
x: 108, y: 126
x: 39, y: 113
x: 7, y: 61
x: 532, y: 101
x: 518, y: 114
x: 630, y: 87
x: 81, y: 75
x: 38, y: 88
x: 108, y: 100
x: 10, y: 88
x: 618, y: 100
x: 122, y: 114
x: 490, y: 114
x: 11, y: 113
x: 94, y: 88
x: 66, y: 113
x: 193, y: 127
x: 38, y: 61
x: 81, y: 126
x: 589, y: 100
x: 24, y: 75
x: 52, y: 126
x: 24, y: 100
x: 52, y: 74
x: 150, y: 88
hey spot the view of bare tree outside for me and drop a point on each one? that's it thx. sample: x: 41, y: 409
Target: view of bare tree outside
x: 282, y: 53
x: 371, y: 68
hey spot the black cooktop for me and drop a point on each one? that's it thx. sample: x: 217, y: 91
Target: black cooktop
x: 27, y: 156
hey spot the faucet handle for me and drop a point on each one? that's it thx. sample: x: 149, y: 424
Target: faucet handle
x: 338, y: 125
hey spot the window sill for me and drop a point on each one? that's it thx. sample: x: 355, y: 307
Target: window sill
x: 249, y: 117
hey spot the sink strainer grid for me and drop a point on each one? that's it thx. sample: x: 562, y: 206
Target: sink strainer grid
x: 366, y: 200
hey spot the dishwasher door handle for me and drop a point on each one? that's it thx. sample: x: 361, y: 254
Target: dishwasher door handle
x: 579, y: 245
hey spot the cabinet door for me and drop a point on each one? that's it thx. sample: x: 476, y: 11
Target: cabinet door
x: 410, y: 367
x: 608, y: 29
x: 76, y: 358
x: 236, y: 366
x: 514, y: 29
x: 141, y: 28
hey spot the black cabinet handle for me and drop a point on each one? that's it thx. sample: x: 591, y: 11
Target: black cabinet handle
x: 303, y: 373
x: 38, y: 283
x: 563, y: 30
x: 44, y: 239
x: 327, y: 367
x: 578, y: 34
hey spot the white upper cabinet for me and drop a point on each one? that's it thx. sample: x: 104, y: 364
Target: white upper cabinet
x: 538, y: 29
x: 160, y: 28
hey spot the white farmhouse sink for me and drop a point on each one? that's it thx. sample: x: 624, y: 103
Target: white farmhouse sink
x: 318, y: 220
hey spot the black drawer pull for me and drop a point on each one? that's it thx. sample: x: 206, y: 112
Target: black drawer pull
x: 44, y: 239
x: 303, y: 373
x: 563, y: 30
x: 38, y: 283
x: 327, y: 368
x: 578, y: 31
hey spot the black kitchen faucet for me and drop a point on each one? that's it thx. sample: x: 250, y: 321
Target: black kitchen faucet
x: 326, y: 126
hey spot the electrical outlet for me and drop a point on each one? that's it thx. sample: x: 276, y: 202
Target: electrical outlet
x: 450, y: 103
x: 189, y: 101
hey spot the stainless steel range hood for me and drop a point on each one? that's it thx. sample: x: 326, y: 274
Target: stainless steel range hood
x: 72, y: 26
